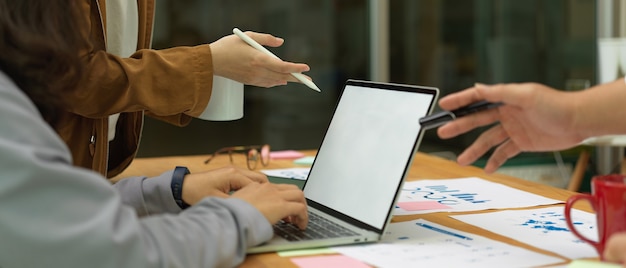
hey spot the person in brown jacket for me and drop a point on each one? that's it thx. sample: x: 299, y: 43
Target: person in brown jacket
x: 173, y: 85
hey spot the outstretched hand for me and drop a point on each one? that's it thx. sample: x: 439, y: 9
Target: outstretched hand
x: 235, y: 59
x: 533, y: 118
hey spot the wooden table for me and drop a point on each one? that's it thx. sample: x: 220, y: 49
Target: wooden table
x: 424, y: 167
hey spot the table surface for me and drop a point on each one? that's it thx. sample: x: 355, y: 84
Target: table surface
x: 424, y: 167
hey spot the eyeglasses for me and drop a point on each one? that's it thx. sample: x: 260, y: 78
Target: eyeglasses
x: 254, y: 153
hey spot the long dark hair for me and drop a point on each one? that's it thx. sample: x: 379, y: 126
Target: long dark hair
x: 39, y: 42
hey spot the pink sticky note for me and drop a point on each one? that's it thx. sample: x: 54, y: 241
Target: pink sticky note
x: 421, y: 205
x: 287, y: 154
x: 328, y: 261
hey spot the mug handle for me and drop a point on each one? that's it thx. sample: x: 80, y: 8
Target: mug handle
x: 568, y: 208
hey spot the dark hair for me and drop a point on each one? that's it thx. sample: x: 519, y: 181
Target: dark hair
x: 39, y: 42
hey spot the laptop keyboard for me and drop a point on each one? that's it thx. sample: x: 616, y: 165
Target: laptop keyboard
x: 317, y: 228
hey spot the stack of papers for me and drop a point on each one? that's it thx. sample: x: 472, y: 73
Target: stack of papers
x: 543, y: 228
x: 288, y: 173
x: 422, y: 243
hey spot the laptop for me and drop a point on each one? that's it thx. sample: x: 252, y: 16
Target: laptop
x: 360, y: 166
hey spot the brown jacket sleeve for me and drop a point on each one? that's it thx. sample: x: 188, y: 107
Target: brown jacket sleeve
x: 171, y: 83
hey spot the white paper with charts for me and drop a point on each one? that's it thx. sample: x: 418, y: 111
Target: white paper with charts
x: 421, y: 243
x: 463, y: 194
x: 543, y: 228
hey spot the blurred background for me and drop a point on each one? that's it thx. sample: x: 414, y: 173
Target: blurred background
x: 448, y: 44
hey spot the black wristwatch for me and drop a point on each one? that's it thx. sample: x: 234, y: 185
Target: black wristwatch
x: 177, y: 186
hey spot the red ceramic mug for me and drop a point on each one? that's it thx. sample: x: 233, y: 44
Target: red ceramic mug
x: 608, y: 199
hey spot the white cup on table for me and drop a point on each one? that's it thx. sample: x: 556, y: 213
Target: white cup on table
x: 226, y: 101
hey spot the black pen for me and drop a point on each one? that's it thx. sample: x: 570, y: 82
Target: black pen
x: 440, y: 118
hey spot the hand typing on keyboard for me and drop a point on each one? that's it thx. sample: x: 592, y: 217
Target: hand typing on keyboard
x: 276, y: 202
x: 318, y: 227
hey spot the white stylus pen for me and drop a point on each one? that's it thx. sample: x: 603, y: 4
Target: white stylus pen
x: 261, y: 48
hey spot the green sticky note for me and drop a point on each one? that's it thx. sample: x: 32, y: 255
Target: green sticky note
x: 592, y: 264
x: 307, y: 160
x: 304, y: 252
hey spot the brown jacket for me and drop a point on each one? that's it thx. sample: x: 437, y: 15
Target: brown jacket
x: 172, y: 85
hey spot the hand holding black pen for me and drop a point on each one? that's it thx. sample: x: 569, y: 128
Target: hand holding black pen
x: 440, y: 118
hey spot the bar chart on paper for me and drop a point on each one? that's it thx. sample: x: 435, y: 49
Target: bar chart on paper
x: 462, y: 194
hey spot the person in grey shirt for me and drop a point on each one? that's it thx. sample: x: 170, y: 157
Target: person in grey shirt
x: 53, y: 214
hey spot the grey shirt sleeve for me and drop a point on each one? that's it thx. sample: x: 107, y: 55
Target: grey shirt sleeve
x: 148, y: 196
x: 53, y: 214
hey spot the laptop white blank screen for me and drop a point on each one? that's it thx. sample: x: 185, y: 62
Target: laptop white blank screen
x: 363, y: 156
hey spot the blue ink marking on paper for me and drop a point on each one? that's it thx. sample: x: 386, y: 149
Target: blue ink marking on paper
x: 443, y: 231
x: 546, y: 225
x: 441, y: 189
x: 469, y: 197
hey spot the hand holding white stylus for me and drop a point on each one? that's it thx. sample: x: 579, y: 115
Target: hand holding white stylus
x: 259, y: 47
